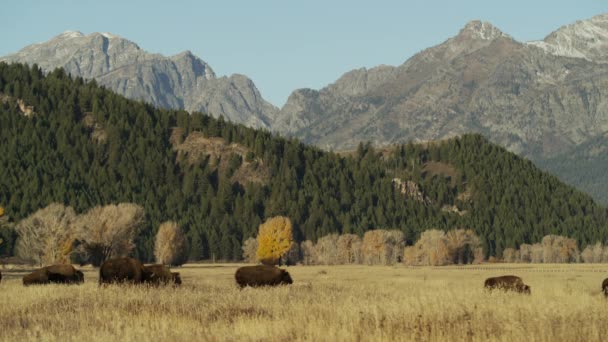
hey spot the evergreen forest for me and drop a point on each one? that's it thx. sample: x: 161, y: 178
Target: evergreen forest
x: 82, y: 145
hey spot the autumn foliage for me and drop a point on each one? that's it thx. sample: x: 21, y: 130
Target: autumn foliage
x: 170, y: 247
x: 274, y: 239
x: 436, y: 248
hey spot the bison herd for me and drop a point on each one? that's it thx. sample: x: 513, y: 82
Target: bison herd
x: 129, y: 270
x: 132, y: 271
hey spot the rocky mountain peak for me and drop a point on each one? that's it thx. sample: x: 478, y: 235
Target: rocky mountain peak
x: 182, y: 81
x: 586, y: 39
x: 477, y: 29
x: 189, y: 61
x: 70, y: 34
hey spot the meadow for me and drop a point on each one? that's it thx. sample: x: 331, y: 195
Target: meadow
x: 325, y: 303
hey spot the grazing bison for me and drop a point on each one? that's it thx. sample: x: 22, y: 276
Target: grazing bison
x: 262, y: 275
x: 507, y: 283
x: 61, y: 274
x: 121, y: 270
x: 605, y: 287
x: 161, y: 275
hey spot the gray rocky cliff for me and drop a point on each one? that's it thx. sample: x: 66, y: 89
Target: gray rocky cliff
x: 182, y: 81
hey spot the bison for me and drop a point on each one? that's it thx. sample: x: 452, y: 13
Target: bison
x: 262, y: 275
x: 0, y: 277
x: 121, y: 270
x: 507, y: 283
x: 161, y: 275
x: 60, y: 274
x: 605, y: 287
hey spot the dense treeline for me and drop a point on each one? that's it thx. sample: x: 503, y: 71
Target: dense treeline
x: 57, y: 155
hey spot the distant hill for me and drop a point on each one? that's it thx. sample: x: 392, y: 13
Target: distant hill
x: 70, y: 141
x: 182, y: 81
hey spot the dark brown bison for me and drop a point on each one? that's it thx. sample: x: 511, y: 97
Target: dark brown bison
x: 60, y: 274
x: 161, y: 275
x: 507, y: 283
x: 262, y: 275
x: 121, y: 270
x: 605, y: 287
x: 0, y: 277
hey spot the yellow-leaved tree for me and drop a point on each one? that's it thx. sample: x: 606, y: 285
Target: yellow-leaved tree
x: 274, y: 239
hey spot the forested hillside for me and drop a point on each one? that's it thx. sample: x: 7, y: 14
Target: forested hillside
x: 584, y: 166
x: 82, y: 145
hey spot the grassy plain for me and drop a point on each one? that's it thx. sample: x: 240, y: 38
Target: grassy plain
x: 325, y: 303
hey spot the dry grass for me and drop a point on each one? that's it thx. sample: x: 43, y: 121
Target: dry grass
x: 330, y: 303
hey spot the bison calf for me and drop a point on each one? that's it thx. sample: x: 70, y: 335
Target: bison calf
x: 507, y: 283
x: 161, y: 275
x: 60, y: 274
x: 121, y: 270
x: 262, y: 275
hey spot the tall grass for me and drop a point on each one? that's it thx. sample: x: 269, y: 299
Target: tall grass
x: 331, y: 303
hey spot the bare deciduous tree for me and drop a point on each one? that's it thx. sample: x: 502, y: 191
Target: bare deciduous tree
x: 373, y: 246
x: 394, y: 243
x: 46, y: 236
x: 170, y: 247
x: 525, y: 252
x: 382, y: 247
x: 433, y: 247
x: 250, y: 249
x: 509, y: 255
x: 559, y: 249
x: 536, y: 253
x: 327, y: 250
x: 109, y: 231
x: 464, y: 246
x: 349, y: 249
x: 309, y: 253
x: 593, y: 253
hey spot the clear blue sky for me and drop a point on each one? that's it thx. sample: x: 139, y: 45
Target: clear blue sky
x: 284, y: 45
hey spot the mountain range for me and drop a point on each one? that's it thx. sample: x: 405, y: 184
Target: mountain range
x: 183, y: 81
x: 540, y: 99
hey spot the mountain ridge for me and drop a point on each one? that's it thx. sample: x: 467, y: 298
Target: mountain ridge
x: 532, y: 100
x: 181, y: 81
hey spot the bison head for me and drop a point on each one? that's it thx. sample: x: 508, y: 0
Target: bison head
x: 285, y: 277
x: 177, y: 280
x: 79, y: 276
x: 524, y: 289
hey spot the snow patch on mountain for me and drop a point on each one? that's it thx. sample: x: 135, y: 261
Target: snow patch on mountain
x: 586, y: 39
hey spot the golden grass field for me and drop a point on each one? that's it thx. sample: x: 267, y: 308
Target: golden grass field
x: 325, y: 303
